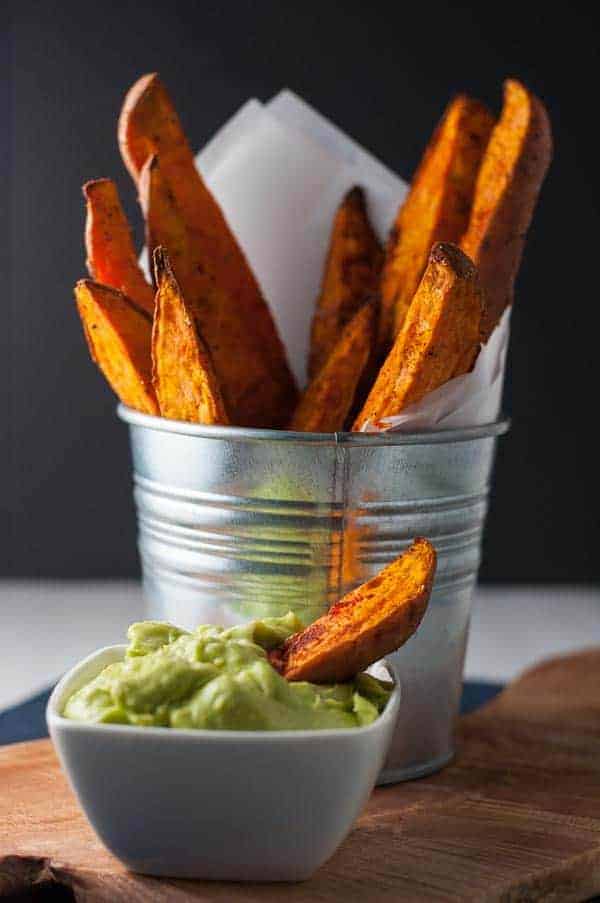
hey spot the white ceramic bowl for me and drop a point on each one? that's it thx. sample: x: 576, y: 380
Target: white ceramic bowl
x: 228, y: 805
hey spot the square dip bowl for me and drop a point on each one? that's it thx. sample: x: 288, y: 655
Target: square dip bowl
x: 215, y: 804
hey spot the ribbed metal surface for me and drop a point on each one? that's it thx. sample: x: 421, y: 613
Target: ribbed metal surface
x: 236, y: 524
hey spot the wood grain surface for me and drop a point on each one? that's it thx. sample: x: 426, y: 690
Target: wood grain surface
x: 516, y: 817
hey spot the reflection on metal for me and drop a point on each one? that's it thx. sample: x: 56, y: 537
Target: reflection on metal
x: 236, y: 524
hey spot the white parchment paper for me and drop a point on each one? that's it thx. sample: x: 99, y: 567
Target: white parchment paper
x: 279, y: 171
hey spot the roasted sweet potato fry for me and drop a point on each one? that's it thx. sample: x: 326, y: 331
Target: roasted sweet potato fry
x: 435, y: 209
x: 252, y: 397
x: 166, y: 228
x: 149, y: 125
x: 509, y: 181
x: 439, y: 339
x: 351, y: 273
x: 118, y: 336
x: 182, y: 371
x: 111, y: 256
x: 326, y: 402
x: 366, y: 624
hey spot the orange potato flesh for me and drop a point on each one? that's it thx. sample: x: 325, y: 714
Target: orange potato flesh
x: 439, y: 339
x: 183, y: 375
x: 351, y: 273
x: 118, y: 336
x: 366, y: 624
x: 111, y: 256
x: 435, y: 209
x: 149, y: 125
x: 326, y: 402
x: 251, y: 396
x: 166, y: 228
x: 509, y: 182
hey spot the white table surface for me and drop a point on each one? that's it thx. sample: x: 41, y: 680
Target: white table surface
x: 46, y: 626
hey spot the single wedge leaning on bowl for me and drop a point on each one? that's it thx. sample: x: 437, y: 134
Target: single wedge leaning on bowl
x: 364, y: 625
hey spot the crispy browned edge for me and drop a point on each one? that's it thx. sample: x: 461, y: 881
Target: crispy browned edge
x: 134, y: 337
x: 450, y: 277
x: 363, y: 626
x: 111, y: 256
x: 252, y: 397
x: 327, y: 400
x: 224, y: 256
x: 447, y: 174
x: 509, y: 182
x: 214, y: 405
x: 350, y: 275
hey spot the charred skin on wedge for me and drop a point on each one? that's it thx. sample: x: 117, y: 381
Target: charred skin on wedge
x: 182, y: 371
x: 366, y: 624
x: 327, y: 400
x: 508, y: 185
x: 111, y: 255
x: 251, y: 396
x: 440, y: 338
x: 436, y: 208
x: 148, y: 126
x: 351, y: 274
x: 118, y: 335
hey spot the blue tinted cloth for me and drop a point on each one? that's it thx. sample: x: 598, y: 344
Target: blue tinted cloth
x: 475, y: 693
x: 27, y: 721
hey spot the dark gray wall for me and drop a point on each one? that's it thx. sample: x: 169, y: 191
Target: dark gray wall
x: 383, y: 72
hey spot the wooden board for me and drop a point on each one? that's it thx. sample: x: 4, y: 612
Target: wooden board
x: 515, y: 817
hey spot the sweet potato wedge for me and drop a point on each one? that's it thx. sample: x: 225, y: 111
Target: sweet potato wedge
x: 149, y: 125
x: 440, y: 337
x: 514, y: 165
x: 118, y: 336
x: 166, y: 228
x: 351, y: 273
x: 111, y: 256
x: 326, y: 402
x: 251, y: 396
x: 435, y: 209
x: 366, y: 624
x: 182, y: 371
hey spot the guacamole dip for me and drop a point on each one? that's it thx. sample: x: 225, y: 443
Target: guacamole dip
x: 219, y: 678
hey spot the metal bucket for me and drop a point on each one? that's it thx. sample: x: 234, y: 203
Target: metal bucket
x: 236, y: 524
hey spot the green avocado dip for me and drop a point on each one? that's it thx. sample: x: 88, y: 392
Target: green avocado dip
x: 219, y: 679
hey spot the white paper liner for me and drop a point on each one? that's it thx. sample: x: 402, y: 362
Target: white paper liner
x: 279, y: 171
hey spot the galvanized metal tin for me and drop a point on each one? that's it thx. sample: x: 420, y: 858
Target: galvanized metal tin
x: 236, y: 524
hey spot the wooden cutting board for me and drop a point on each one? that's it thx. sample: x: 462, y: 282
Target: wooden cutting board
x: 515, y: 817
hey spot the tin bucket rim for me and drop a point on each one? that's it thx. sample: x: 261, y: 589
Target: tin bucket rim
x: 425, y: 437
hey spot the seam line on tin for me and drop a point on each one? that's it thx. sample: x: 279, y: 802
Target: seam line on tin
x: 343, y: 464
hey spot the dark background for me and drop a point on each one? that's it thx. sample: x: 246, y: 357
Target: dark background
x: 384, y: 73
